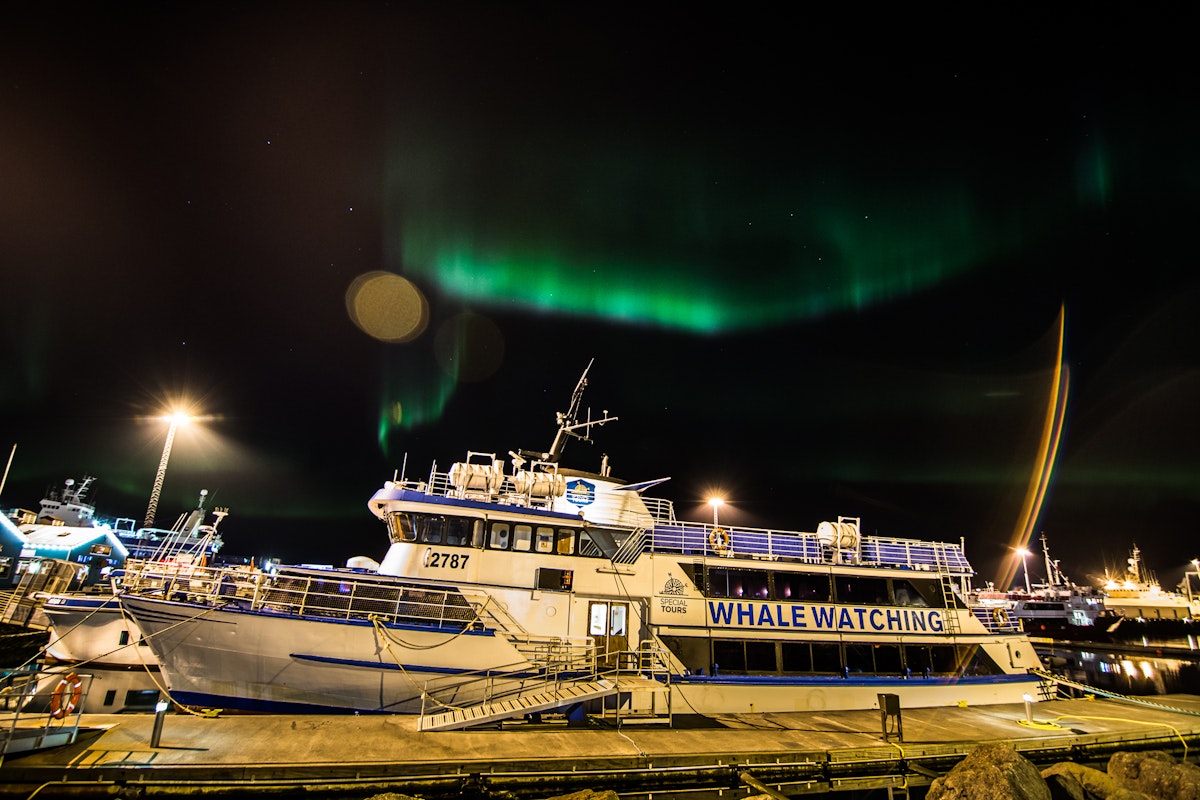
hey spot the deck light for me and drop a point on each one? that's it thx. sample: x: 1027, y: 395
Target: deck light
x: 716, y: 503
x: 175, y: 418
x: 1024, y: 554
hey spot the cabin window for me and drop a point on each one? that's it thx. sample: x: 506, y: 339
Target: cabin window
x: 565, y: 545
x: 501, y: 536
x: 429, y: 529
x: 543, y: 539
x: 461, y: 531
x: 751, y: 584
x: 887, y: 659
x: 908, y: 593
x: 796, y: 656
x: 859, y: 658
x: 826, y: 657
x: 588, y: 547
x: 522, y: 537
x: 801, y: 587
x: 400, y: 527
x: 861, y: 591
x: 729, y: 655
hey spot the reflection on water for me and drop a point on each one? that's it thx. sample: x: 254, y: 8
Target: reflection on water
x: 1128, y: 670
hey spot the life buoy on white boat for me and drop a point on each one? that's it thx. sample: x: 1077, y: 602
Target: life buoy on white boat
x: 718, y: 540
x: 1000, y: 616
x: 65, y: 698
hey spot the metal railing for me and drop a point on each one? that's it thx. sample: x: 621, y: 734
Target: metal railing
x: 304, y: 593
x: 551, y: 667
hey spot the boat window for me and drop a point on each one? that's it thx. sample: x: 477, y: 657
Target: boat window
x: 887, y: 659
x: 908, y: 593
x: 859, y: 658
x: 566, y: 542
x: 544, y: 539
x: 760, y: 656
x: 458, y: 531
x: 797, y: 657
x: 501, y: 535
x: 826, y: 657
x: 801, y: 587
x: 522, y: 537
x: 729, y: 655
x: 477, y: 533
x: 400, y: 527
x: 861, y: 590
x: 747, y: 583
x: 975, y: 661
x: 429, y: 529
x: 588, y: 546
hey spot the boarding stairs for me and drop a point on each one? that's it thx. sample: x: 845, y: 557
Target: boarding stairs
x: 524, y: 703
x: 558, y: 674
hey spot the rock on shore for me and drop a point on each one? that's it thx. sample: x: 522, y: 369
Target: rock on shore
x: 998, y: 772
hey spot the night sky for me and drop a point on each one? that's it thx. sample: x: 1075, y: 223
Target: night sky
x: 819, y: 260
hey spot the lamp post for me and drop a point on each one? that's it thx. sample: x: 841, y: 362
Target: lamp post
x: 1024, y: 554
x: 716, y: 503
x: 175, y: 419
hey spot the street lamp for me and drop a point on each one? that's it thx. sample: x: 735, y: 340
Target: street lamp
x: 1024, y: 554
x: 716, y: 503
x: 175, y: 419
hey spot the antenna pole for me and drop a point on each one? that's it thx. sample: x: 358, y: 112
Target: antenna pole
x: 4, y: 480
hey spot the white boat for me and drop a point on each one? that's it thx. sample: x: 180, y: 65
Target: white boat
x: 88, y: 626
x: 1136, y: 595
x: 527, y: 583
x: 1058, y: 607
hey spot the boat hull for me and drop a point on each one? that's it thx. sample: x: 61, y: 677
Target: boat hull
x: 259, y: 661
x: 93, y: 629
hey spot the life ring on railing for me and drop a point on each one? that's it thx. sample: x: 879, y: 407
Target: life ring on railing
x: 718, y: 540
x: 65, y: 698
x: 1000, y: 617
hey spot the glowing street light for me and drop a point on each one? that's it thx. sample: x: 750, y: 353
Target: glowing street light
x: 716, y: 503
x: 175, y: 419
x: 1024, y: 554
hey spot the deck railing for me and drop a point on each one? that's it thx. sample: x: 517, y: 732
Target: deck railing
x: 304, y: 593
x: 774, y: 545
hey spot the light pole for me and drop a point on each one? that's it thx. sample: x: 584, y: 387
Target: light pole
x: 175, y: 419
x: 1024, y: 554
x: 716, y: 503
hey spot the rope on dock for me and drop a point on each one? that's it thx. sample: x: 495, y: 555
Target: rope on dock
x: 1114, y: 695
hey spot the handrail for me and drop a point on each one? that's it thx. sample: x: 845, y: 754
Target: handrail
x: 300, y: 592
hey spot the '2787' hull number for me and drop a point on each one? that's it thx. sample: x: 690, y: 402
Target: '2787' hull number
x: 446, y: 560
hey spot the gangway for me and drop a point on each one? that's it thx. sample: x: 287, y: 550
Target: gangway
x: 527, y: 703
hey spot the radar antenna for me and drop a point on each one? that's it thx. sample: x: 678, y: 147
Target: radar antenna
x: 568, y: 422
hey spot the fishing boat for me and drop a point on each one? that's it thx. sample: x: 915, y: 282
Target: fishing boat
x: 505, y: 591
x: 87, y: 624
x: 1136, y: 600
x: 1059, y: 608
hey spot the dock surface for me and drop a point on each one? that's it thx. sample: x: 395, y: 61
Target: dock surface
x: 357, y: 756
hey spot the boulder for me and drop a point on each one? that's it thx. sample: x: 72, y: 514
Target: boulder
x: 991, y: 772
x: 1069, y: 781
x: 1156, y: 774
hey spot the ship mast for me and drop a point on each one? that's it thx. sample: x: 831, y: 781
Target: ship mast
x: 568, y: 421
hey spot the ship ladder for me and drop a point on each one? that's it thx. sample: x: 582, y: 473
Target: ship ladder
x: 949, y: 584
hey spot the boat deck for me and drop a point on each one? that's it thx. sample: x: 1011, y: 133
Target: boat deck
x: 796, y: 752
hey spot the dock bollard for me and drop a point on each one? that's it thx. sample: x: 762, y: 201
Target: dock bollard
x: 889, y: 709
x: 160, y: 711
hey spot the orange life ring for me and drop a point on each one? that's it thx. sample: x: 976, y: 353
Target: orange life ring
x: 66, y: 696
x: 1000, y: 615
x: 718, y: 540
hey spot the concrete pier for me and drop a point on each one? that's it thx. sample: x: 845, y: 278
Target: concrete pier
x: 357, y: 756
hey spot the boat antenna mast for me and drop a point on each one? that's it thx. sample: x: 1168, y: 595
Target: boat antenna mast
x: 568, y: 421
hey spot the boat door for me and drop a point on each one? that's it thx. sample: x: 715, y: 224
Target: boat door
x: 608, y: 627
